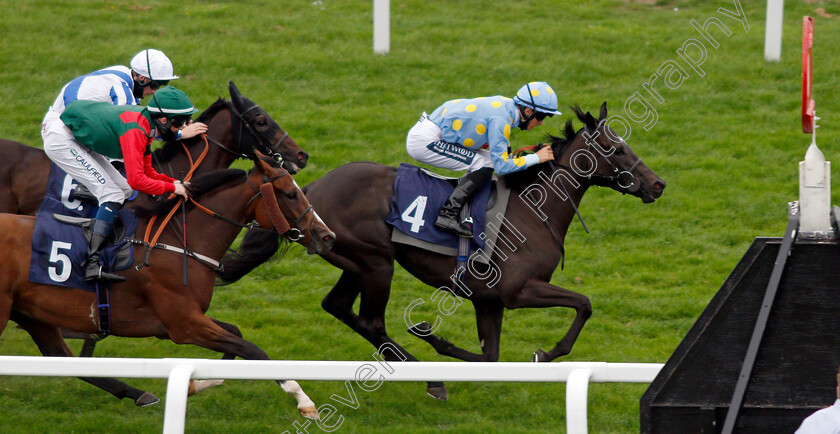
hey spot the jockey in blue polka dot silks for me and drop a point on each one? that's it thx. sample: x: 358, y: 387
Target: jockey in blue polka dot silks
x: 474, y: 135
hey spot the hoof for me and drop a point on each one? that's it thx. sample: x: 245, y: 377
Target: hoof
x: 146, y: 399
x: 421, y: 329
x: 438, y: 392
x: 309, y: 412
x: 199, y: 385
x: 539, y: 356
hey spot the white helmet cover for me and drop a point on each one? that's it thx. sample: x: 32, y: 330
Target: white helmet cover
x: 153, y: 64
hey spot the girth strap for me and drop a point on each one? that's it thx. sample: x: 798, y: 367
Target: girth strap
x: 103, y: 307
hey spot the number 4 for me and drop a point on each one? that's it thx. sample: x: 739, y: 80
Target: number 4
x: 66, y: 267
x: 414, y: 214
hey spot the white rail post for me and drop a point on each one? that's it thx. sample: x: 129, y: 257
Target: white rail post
x: 175, y: 415
x: 773, y: 31
x: 577, y: 389
x: 381, y: 26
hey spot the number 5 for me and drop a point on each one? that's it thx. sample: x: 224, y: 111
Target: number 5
x: 55, y: 256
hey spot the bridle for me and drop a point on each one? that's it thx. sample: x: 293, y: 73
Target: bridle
x: 620, y: 177
x: 267, y: 147
x: 266, y: 190
x: 623, y: 178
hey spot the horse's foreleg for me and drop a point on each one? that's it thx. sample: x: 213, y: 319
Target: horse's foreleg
x: 489, y: 322
x: 208, y: 333
x: 51, y: 343
x: 197, y: 386
x: 339, y: 301
x: 542, y: 294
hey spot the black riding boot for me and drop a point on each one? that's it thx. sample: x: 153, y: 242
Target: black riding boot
x: 93, y: 271
x: 449, y: 217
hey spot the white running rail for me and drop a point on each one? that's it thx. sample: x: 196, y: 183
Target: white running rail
x: 577, y: 375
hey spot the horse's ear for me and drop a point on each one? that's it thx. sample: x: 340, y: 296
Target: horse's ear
x: 590, y: 122
x: 235, y: 96
x: 259, y: 162
x: 603, y: 111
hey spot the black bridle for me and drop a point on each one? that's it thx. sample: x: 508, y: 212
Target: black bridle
x: 619, y: 177
x: 624, y: 179
x: 266, y: 145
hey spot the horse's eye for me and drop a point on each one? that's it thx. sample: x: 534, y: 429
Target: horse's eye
x: 291, y: 195
x: 619, y: 150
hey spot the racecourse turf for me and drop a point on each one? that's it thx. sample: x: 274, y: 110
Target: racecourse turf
x: 727, y: 142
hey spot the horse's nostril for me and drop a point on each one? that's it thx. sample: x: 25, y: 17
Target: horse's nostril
x: 659, y: 186
x: 303, y: 156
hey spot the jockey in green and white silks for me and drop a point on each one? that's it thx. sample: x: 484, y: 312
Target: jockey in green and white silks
x: 474, y: 135
x: 95, y: 131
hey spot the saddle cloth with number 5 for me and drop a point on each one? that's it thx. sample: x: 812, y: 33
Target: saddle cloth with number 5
x: 418, y: 198
x: 60, y: 249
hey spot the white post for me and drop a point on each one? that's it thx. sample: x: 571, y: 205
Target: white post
x: 175, y: 416
x: 773, y: 31
x: 577, y: 389
x: 814, y: 192
x: 381, y: 26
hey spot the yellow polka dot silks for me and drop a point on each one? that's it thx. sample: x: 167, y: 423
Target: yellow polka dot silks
x: 479, y: 123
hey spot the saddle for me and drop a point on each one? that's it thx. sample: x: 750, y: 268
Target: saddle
x: 62, y: 234
x: 418, y: 196
x: 122, y: 258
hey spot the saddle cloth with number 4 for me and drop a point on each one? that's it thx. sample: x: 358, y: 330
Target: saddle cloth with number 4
x: 418, y: 198
x: 60, y: 249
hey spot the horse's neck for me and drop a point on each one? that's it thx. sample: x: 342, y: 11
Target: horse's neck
x: 211, y: 236
x: 564, y: 191
x: 219, y: 130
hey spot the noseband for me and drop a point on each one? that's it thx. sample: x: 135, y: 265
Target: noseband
x: 294, y: 233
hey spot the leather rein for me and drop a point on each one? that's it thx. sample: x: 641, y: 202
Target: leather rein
x: 266, y: 190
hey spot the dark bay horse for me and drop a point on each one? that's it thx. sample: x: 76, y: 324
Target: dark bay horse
x: 235, y: 129
x: 153, y: 301
x: 354, y: 200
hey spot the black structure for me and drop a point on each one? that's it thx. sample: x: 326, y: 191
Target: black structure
x: 795, y: 364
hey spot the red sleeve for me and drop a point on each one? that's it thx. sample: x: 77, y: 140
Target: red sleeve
x: 134, y: 143
x: 151, y: 172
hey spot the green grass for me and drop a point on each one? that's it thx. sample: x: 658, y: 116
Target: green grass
x: 727, y: 144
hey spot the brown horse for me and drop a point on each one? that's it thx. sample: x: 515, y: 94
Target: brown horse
x: 235, y: 129
x: 354, y: 200
x: 153, y: 301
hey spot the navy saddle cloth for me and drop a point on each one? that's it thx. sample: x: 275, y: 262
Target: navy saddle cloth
x: 60, y: 249
x: 418, y: 198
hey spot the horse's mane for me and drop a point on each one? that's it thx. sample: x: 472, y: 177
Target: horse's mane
x: 199, y: 186
x: 520, y: 180
x: 169, y: 149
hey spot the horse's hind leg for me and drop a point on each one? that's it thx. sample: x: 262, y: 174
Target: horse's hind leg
x: 488, y: 319
x: 542, y: 294
x: 370, y: 323
x: 51, y: 343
